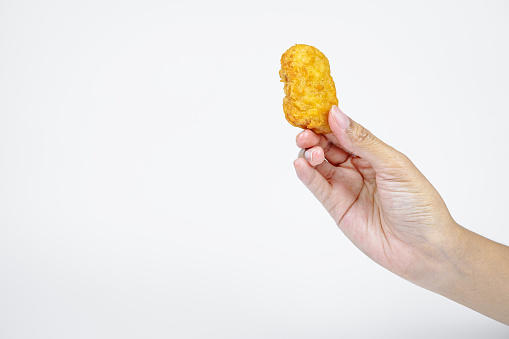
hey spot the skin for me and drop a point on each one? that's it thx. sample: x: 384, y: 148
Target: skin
x: 390, y: 211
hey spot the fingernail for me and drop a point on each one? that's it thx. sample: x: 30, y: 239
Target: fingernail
x: 308, y: 155
x: 341, y: 119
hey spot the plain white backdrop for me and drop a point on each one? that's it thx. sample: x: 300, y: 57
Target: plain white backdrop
x: 146, y: 179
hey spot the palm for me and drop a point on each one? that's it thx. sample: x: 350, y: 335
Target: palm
x: 358, y: 204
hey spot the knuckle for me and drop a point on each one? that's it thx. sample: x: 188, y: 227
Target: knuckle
x: 362, y: 135
x: 401, y: 159
x: 402, y: 162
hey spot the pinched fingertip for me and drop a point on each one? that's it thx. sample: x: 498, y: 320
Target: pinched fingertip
x: 307, y: 139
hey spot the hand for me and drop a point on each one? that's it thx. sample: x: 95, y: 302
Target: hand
x: 388, y: 209
x: 378, y: 198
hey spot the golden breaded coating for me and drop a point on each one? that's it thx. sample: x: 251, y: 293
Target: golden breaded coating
x: 309, y: 88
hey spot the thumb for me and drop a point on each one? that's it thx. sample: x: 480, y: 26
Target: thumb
x: 358, y: 140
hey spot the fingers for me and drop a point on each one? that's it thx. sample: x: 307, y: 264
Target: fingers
x: 313, y: 180
x: 316, y: 160
x: 326, y: 170
x: 358, y: 140
x: 313, y: 155
x: 307, y: 138
x: 333, y: 154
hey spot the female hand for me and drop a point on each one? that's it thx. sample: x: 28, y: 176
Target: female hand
x: 390, y: 211
x: 377, y: 197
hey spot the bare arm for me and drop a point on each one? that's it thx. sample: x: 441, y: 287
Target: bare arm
x: 479, y: 275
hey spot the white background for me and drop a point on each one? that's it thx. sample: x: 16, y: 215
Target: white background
x: 146, y: 179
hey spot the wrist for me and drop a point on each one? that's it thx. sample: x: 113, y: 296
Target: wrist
x: 450, y: 249
x: 471, y: 270
x: 437, y: 267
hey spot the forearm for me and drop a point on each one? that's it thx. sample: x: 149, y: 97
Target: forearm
x: 477, y: 274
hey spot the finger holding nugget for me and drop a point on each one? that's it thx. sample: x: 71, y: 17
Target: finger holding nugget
x: 334, y: 154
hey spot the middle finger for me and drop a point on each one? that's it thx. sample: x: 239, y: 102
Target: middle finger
x: 333, y: 153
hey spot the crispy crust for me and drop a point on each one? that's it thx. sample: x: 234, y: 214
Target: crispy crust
x: 309, y: 88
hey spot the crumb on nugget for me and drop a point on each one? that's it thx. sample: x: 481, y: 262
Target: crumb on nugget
x: 309, y: 89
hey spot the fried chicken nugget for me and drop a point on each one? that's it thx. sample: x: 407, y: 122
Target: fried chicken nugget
x: 309, y: 88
